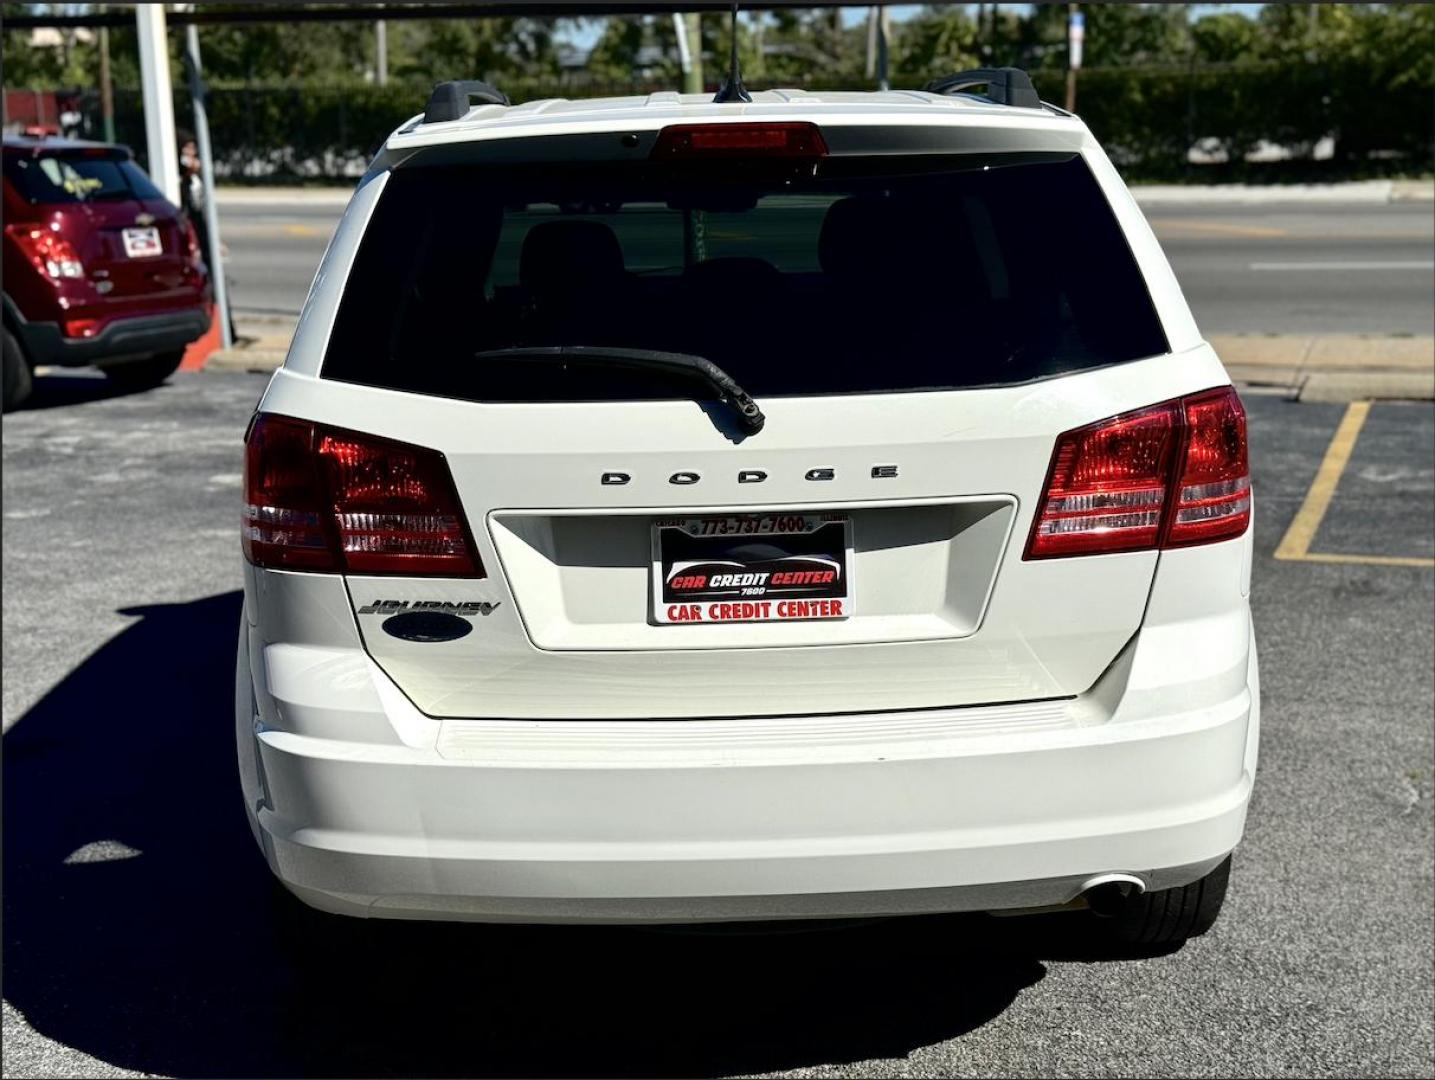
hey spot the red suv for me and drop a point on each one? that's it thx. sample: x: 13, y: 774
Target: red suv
x: 100, y: 268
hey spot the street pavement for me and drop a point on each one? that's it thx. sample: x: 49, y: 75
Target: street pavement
x: 1264, y: 268
x: 139, y: 936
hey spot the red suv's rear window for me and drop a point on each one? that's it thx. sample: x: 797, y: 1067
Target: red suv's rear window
x: 69, y: 178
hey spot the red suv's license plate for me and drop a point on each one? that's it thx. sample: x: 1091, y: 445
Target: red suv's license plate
x: 142, y: 243
x: 752, y: 568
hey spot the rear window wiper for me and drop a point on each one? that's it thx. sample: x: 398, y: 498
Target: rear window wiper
x: 697, y: 367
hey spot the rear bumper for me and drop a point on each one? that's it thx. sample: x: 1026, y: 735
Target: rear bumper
x: 994, y: 808
x: 121, y: 339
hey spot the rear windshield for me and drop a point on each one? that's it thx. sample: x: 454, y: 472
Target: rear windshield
x: 854, y: 276
x: 55, y: 178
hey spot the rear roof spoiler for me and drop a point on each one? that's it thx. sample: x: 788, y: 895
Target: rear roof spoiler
x: 1005, y: 86
x: 450, y: 100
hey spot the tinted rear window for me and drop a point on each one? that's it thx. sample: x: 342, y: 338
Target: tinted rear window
x: 861, y: 275
x: 56, y: 178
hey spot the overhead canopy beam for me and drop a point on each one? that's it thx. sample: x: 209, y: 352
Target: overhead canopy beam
x: 264, y: 13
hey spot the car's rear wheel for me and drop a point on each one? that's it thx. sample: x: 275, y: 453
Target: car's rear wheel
x: 1167, y: 917
x: 17, y: 378
x: 142, y: 374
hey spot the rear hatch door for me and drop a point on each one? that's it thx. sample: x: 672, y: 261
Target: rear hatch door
x: 917, y: 333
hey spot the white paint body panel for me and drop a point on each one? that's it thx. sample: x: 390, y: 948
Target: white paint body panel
x: 985, y: 733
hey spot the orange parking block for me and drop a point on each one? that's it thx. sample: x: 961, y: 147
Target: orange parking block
x: 199, y: 350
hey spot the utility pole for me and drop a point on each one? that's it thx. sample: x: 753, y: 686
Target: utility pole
x: 381, y: 52
x: 689, y: 27
x: 107, y: 90
x: 879, y: 29
x: 206, y: 172
x: 884, y: 34
x: 158, y: 99
x: 1075, y: 36
x: 871, y: 68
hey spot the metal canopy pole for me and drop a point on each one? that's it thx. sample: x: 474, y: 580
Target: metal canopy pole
x: 206, y: 173
x: 107, y: 92
x: 158, y: 99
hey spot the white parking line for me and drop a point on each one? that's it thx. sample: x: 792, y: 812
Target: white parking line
x: 1409, y: 265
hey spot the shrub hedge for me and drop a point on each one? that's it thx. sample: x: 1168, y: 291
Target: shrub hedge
x: 1147, y: 118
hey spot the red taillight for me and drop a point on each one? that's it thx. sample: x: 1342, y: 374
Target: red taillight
x: 49, y: 252
x: 1107, y: 486
x: 1170, y: 475
x: 191, y: 246
x: 788, y: 139
x: 322, y: 499
x: 1212, y: 499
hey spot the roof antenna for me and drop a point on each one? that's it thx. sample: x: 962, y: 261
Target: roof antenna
x: 732, y: 88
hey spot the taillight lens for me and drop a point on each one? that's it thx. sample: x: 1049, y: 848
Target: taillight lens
x: 1171, y: 475
x: 1213, y: 492
x: 191, y: 245
x: 794, y: 139
x: 1107, y: 486
x: 317, y: 498
x: 49, y: 252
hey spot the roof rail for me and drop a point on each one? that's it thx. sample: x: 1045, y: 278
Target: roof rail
x: 1005, y: 86
x: 449, y: 100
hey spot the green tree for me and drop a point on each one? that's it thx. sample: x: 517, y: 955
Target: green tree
x: 937, y: 41
x: 1226, y: 37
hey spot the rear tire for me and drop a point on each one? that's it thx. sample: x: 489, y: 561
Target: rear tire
x: 18, y: 380
x: 143, y: 374
x: 1168, y: 917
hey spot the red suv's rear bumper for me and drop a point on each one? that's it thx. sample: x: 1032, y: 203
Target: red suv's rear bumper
x: 120, y: 339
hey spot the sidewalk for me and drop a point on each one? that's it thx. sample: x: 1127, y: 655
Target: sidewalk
x: 1325, y: 367
x: 1331, y: 367
x: 1354, y: 191
x: 264, y: 339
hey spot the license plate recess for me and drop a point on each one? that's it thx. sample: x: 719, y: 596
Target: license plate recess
x: 769, y: 567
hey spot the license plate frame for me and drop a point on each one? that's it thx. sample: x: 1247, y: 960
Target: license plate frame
x: 142, y: 242
x: 788, y: 567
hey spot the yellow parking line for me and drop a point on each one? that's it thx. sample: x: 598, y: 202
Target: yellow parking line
x: 1295, y: 545
x: 301, y: 230
x: 1221, y: 227
x: 1296, y: 542
x: 1370, y: 560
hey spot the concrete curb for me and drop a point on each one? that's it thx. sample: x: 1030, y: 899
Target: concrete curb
x: 1367, y: 386
x: 246, y: 358
x: 1331, y: 367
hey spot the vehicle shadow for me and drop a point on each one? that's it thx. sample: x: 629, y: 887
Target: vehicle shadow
x: 55, y: 389
x: 139, y: 927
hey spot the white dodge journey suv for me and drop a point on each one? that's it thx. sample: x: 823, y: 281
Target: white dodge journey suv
x: 683, y: 511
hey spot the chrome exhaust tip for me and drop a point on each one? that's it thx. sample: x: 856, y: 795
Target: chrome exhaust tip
x: 1106, y: 894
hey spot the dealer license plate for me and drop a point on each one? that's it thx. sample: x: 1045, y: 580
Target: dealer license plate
x: 142, y: 243
x: 752, y: 568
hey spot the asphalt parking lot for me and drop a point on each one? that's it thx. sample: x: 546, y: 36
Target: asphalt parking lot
x: 138, y: 935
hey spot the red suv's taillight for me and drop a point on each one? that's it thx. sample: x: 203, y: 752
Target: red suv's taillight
x: 49, y: 252
x: 318, y: 498
x: 1171, y: 475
